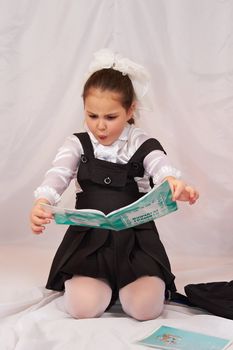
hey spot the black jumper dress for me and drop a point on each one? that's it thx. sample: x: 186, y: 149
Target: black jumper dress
x: 120, y: 257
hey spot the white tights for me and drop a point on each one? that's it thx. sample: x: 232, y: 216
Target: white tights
x: 87, y: 297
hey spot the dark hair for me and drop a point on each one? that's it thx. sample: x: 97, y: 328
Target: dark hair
x: 112, y: 80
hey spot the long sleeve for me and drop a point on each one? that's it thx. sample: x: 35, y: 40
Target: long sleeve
x: 158, y: 166
x: 64, y: 169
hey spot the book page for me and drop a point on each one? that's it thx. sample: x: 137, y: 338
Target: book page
x: 156, y: 203
x: 81, y: 217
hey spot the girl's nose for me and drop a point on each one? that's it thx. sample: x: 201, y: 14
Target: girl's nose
x: 101, y: 125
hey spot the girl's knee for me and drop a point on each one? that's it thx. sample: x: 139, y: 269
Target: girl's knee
x: 86, y: 297
x: 143, y: 299
x: 144, y: 310
x: 84, y: 308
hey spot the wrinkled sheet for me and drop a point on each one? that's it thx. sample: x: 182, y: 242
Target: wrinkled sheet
x: 32, y: 317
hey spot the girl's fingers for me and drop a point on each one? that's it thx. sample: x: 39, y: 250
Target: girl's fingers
x: 37, y: 229
x: 195, y: 197
x: 178, y: 189
x: 38, y: 218
x: 38, y: 211
x: 193, y: 194
x: 182, y: 192
x: 39, y: 221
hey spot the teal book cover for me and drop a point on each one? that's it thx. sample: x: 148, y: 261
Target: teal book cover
x: 178, y: 339
x: 152, y: 205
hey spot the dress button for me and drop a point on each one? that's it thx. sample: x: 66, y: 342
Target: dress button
x: 135, y: 166
x: 107, y: 180
x: 83, y: 159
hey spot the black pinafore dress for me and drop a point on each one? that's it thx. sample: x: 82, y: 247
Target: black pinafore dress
x: 119, y: 257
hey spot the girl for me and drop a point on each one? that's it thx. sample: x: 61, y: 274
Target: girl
x: 113, y: 163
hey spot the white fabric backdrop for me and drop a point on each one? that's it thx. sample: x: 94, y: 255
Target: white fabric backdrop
x: 45, y: 49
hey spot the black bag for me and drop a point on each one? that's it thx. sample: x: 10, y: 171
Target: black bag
x: 215, y: 297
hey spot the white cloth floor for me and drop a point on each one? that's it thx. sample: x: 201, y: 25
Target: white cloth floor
x: 34, y: 318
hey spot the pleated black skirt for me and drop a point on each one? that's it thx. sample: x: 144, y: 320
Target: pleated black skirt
x: 120, y: 257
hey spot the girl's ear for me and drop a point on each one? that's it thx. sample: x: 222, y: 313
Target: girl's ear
x: 132, y: 109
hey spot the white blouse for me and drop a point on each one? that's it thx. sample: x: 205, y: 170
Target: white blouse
x: 66, y: 163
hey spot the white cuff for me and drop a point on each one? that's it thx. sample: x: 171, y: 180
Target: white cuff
x: 166, y: 171
x: 48, y: 193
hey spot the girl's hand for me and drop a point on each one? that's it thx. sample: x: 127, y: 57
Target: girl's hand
x: 181, y: 191
x: 39, y: 217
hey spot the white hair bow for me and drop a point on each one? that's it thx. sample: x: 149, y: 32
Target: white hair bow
x: 105, y: 58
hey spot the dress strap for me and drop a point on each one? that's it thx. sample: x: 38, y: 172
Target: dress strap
x: 145, y: 148
x: 85, y: 140
x: 135, y: 163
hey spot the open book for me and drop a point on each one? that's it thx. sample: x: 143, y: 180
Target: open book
x: 154, y: 204
x: 178, y: 339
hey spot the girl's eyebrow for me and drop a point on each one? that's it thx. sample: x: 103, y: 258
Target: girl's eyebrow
x: 90, y: 112
x: 110, y: 114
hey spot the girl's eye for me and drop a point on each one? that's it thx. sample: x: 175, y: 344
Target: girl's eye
x: 111, y: 117
x: 93, y: 116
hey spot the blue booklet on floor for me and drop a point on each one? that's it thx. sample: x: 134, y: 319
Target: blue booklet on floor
x: 177, y: 339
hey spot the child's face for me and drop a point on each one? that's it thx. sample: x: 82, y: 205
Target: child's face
x: 105, y: 116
